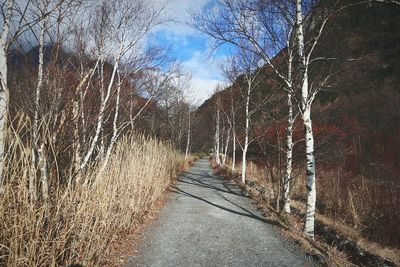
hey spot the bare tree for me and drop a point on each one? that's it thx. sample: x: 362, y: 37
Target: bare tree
x: 4, y: 93
x: 36, y: 151
x: 312, y: 25
x: 189, y: 133
x: 217, y: 138
x: 116, y: 27
x: 244, y: 67
x: 264, y: 28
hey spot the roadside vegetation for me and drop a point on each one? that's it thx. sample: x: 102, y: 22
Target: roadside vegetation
x: 332, y: 229
x: 77, y: 223
x: 94, y: 126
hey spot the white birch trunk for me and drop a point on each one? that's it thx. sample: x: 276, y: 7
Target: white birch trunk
x: 35, y: 125
x: 228, y: 137
x: 306, y: 110
x: 246, y: 136
x: 188, y: 136
x: 289, y: 155
x: 78, y: 115
x: 43, y: 172
x: 115, y: 127
x: 217, y: 152
x: 222, y: 142
x: 4, y: 93
x: 100, y: 118
x: 76, y: 145
x: 131, y: 113
x: 82, y: 114
x: 233, y: 134
x: 289, y: 140
x: 233, y: 150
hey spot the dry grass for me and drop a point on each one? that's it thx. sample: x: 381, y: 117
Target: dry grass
x: 358, y: 209
x: 369, y: 206
x: 78, y: 224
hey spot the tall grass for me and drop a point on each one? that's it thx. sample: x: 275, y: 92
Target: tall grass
x: 78, y: 222
x: 369, y: 206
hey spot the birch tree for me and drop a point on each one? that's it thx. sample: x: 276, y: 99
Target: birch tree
x: 232, y: 122
x: 4, y: 93
x: 117, y: 33
x: 217, y: 132
x: 311, y: 25
x: 36, y: 151
x: 189, y: 133
x: 244, y: 67
x: 266, y: 27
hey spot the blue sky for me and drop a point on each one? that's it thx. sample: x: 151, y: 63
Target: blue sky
x: 190, y: 48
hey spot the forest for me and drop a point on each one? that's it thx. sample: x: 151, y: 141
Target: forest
x: 96, y: 121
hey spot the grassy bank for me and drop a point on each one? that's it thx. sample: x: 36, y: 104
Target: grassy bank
x: 357, y: 209
x: 78, y: 222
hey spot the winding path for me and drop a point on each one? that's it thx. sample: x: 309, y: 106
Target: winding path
x: 209, y: 222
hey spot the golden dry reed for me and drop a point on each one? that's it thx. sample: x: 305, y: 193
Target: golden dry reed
x: 79, y: 221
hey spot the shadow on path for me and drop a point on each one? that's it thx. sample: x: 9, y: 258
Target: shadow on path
x: 248, y: 214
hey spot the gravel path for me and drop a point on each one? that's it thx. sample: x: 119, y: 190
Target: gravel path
x: 208, y: 222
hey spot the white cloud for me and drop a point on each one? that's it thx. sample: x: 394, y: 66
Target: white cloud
x: 203, y: 67
x: 206, y: 74
x: 202, y: 89
x: 179, y: 12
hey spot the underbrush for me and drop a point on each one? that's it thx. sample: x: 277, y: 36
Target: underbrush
x: 369, y: 206
x: 360, y: 209
x: 78, y: 221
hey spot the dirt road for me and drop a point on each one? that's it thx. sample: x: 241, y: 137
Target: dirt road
x: 208, y: 222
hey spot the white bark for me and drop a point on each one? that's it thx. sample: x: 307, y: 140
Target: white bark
x: 289, y: 138
x: 188, y: 136
x: 289, y: 155
x: 115, y: 121
x: 103, y: 105
x: 43, y: 172
x: 78, y: 114
x: 233, y: 149
x: 233, y: 126
x: 306, y: 114
x: 217, y: 138
x: 228, y: 137
x: 246, y: 135
x: 4, y: 93
x: 77, y: 144
x: 35, y: 125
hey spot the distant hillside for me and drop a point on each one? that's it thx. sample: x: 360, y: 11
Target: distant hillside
x: 362, y: 102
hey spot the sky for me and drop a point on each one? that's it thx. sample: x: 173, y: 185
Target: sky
x: 190, y: 48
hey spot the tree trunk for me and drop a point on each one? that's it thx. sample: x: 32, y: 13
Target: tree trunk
x: 310, y: 171
x: 222, y: 142
x: 289, y: 140
x: 233, y: 133
x: 35, y: 125
x: 289, y: 155
x: 188, y: 136
x: 233, y: 149
x: 306, y: 110
x: 4, y: 93
x: 217, y: 154
x: 115, y: 121
x: 246, y: 137
x: 228, y: 137
x: 100, y: 118
x: 43, y: 173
